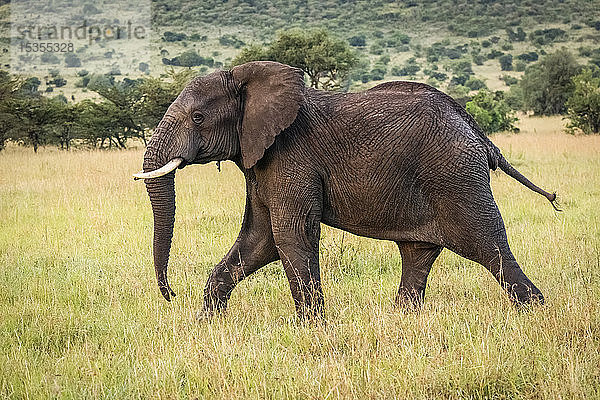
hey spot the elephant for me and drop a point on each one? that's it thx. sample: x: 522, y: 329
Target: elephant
x: 401, y: 161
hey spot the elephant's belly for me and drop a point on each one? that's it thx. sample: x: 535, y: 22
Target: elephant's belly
x: 390, y: 212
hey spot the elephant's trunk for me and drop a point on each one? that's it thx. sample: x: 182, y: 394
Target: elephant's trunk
x: 162, y: 197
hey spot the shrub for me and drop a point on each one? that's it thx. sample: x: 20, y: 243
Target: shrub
x: 475, y: 84
x: 72, y: 61
x: 376, y: 49
x: 378, y: 72
x: 547, y: 84
x: 169, y: 36
x: 509, y: 80
x: 58, y: 82
x: 543, y: 37
x: 358, y: 41
x: 518, y: 36
x: 438, y: 76
x: 506, y: 62
x: 189, y: 59
x: 520, y: 66
x: 491, y: 112
x: 494, y: 54
x: 408, y: 69
x: 385, y: 60
x: 460, y: 93
x: 528, y: 57
x: 49, y: 58
x: 583, y: 107
x: 478, y: 59
x: 231, y: 41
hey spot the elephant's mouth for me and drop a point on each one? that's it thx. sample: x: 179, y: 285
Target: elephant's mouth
x: 165, y: 169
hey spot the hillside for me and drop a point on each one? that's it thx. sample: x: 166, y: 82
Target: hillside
x: 432, y: 41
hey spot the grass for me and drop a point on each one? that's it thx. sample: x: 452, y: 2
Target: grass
x: 81, y: 316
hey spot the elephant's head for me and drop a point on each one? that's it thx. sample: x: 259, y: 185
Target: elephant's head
x: 227, y: 115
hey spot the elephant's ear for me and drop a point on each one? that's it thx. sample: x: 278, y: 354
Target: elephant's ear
x: 273, y: 94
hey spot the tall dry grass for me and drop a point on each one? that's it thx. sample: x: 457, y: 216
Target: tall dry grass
x: 80, y: 314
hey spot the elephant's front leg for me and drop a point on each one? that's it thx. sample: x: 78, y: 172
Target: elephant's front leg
x: 297, y: 232
x: 253, y: 249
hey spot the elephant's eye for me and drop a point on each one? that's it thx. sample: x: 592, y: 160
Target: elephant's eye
x: 197, y: 117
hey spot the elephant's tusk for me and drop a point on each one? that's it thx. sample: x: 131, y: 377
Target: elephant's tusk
x: 165, y: 169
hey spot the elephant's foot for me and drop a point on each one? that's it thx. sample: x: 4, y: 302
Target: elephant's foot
x: 215, y: 299
x: 409, y: 299
x: 523, y: 294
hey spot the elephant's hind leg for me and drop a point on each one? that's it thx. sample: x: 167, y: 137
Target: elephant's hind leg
x: 417, y: 259
x: 253, y: 249
x: 480, y: 236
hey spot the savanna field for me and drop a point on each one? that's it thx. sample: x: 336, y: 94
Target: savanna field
x: 81, y: 315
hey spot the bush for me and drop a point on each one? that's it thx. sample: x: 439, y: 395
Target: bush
x: 509, y: 80
x: 397, y: 39
x: 385, y: 60
x: 543, y: 37
x: 189, y: 59
x: 376, y: 49
x: 514, y: 97
x: 58, y: 82
x: 462, y: 67
x: 378, y: 72
x: 528, y: 57
x: 547, y: 84
x: 169, y: 36
x: 358, y: 41
x: 478, y: 59
x: 518, y: 36
x: 49, y: 58
x: 72, y: 61
x: 438, y: 76
x: 520, y: 66
x: 475, y: 84
x: 408, y: 69
x: 583, y: 107
x: 460, y: 93
x: 144, y: 67
x: 491, y: 112
x: 231, y: 41
x: 506, y: 62
x: 494, y: 54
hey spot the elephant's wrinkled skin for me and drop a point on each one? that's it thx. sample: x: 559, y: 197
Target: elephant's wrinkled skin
x: 401, y: 161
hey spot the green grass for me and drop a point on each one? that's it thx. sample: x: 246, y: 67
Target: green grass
x: 81, y: 316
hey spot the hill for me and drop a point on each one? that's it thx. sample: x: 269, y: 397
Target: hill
x: 440, y: 42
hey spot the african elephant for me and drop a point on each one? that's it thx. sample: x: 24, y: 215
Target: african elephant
x: 401, y: 161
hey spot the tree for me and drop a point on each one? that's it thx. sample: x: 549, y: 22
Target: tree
x: 72, y: 61
x: 9, y: 87
x: 491, y: 112
x: 34, y: 118
x: 583, y: 107
x: 506, y: 62
x: 547, y: 84
x: 327, y: 61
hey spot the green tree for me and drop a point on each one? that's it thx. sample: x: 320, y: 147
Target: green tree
x: 547, y: 84
x: 34, y: 117
x: 491, y: 112
x: 326, y: 60
x: 9, y: 87
x: 583, y: 107
x: 506, y: 62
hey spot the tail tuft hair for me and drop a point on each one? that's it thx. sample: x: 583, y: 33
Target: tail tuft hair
x: 512, y: 172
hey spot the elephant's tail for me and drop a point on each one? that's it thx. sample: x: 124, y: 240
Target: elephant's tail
x: 511, y: 171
